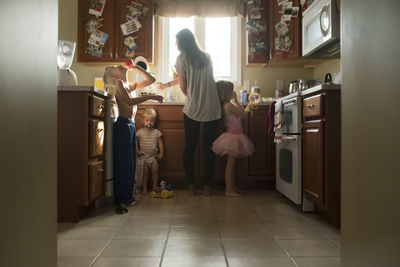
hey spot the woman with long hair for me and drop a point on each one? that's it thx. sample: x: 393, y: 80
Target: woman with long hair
x: 196, y: 80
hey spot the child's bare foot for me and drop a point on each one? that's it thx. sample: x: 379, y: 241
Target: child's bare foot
x: 232, y: 194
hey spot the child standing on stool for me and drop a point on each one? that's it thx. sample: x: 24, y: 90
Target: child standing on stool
x: 233, y: 142
x: 151, y: 146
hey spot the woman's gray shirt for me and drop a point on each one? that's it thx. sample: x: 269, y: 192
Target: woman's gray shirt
x: 202, y: 101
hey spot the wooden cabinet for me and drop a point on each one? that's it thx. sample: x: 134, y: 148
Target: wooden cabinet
x: 313, y: 155
x: 114, y: 14
x: 276, y: 47
x: 170, y: 123
x: 257, y: 170
x: 262, y: 162
x: 321, y: 152
x: 81, y: 165
x: 294, y: 26
x: 257, y: 41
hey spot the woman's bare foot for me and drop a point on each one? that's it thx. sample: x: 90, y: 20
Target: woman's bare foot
x: 237, y: 190
x: 232, y: 194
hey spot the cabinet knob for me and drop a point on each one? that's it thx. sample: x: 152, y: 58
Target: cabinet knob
x: 100, y: 107
x: 100, y: 170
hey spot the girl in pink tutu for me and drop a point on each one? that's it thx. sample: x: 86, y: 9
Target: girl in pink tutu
x: 233, y: 142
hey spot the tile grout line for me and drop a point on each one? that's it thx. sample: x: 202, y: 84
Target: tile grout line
x: 219, y: 233
x: 169, y: 231
x: 326, y: 235
x: 112, y: 237
x: 275, y: 238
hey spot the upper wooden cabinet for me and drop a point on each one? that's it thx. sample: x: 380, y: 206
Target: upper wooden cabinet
x: 114, y: 14
x: 280, y: 40
x: 294, y: 34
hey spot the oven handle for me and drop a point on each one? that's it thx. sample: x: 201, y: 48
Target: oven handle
x: 289, y: 101
x: 288, y: 138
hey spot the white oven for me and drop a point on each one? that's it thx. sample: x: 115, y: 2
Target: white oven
x: 288, y: 169
x: 291, y: 122
x: 321, y: 30
x: 289, y: 153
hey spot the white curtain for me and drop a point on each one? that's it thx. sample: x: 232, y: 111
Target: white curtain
x: 201, y: 8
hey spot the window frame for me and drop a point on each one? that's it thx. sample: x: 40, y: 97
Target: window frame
x: 199, y: 28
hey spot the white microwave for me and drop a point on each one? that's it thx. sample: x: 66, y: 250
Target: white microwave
x: 321, y: 30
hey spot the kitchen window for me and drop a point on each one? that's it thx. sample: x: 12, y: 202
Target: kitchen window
x: 220, y: 37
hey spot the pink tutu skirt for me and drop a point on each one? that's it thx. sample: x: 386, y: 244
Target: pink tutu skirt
x: 235, y: 144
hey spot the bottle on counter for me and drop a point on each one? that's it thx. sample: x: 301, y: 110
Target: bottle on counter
x: 243, y: 96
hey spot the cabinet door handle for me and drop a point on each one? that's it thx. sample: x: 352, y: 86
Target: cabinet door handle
x: 100, y: 170
x: 99, y: 130
x: 100, y: 107
x: 311, y: 106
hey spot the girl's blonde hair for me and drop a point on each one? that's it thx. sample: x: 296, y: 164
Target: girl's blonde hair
x: 109, y: 81
x: 150, y: 112
x: 225, y: 90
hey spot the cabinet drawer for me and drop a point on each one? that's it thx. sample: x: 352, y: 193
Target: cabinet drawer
x: 96, y: 180
x: 97, y: 106
x: 96, y: 137
x: 313, y: 106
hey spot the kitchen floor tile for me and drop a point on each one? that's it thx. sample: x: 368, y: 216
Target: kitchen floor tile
x: 193, y: 232
x: 132, y: 231
x: 260, y: 229
x: 317, y: 261
x: 245, y: 232
x: 279, y: 220
x: 311, y: 248
x: 260, y: 262
x: 193, y: 248
x: 80, y: 247
x: 296, y: 232
x: 84, y: 232
x: 252, y: 248
x: 127, y: 262
x: 67, y: 261
x: 134, y: 248
x: 194, y: 262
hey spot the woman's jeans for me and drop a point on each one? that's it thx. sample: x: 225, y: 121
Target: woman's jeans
x: 192, y: 129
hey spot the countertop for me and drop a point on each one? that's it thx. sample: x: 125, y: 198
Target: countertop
x: 177, y: 103
x: 81, y: 88
x: 324, y: 86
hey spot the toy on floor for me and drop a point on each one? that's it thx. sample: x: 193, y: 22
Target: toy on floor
x: 164, y: 191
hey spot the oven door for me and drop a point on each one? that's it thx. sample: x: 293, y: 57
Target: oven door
x: 291, y: 113
x: 288, y: 167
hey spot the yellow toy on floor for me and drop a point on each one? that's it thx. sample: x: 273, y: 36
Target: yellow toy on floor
x: 164, y: 191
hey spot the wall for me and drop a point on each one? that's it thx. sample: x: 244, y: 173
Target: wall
x: 332, y: 66
x: 28, y: 183
x: 86, y: 72
x: 370, y: 132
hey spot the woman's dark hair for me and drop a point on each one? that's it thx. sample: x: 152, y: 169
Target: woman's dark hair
x: 188, y: 46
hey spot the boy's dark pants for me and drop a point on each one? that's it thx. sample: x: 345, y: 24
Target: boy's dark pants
x: 124, y: 159
x: 192, y: 128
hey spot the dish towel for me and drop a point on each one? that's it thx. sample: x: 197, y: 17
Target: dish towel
x: 278, y: 122
x: 270, y: 119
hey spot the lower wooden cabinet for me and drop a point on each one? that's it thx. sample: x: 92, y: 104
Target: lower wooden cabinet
x: 80, y: 161
x: 321, y: 152
x: 254, y: 171
x: 313, y: 161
